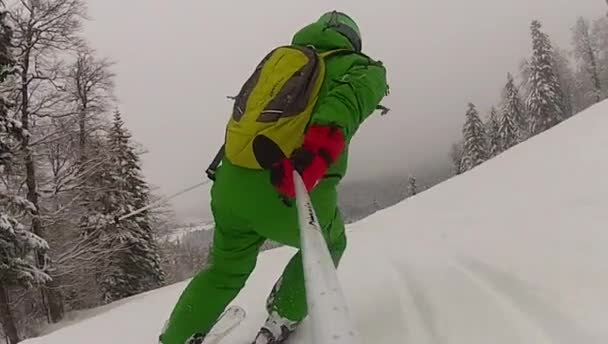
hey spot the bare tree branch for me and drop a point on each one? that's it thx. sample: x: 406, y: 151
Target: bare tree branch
x: 43, y: 31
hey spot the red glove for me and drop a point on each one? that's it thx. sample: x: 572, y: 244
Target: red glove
x: 322, y: 146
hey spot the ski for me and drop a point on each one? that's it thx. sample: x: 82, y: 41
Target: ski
x: 227, y: 322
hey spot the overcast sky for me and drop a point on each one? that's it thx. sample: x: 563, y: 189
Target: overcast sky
x: 177, y: 61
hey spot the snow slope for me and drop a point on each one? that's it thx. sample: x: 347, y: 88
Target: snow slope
x: 511, y: 252
x: 180, y: 233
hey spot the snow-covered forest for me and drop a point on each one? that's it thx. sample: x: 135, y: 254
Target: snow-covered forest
x: 68, y: 170
x: 554, y: 84
x: 69, y: 167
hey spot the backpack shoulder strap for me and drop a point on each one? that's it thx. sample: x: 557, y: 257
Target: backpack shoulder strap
x: 331, y: 53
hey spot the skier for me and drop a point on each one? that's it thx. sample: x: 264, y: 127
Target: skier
x: 251, y: 205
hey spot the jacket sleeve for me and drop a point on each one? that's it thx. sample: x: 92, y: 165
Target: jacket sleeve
x: 352, y: 98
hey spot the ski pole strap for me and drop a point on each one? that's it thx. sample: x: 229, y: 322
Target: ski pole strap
x: 215, y: 163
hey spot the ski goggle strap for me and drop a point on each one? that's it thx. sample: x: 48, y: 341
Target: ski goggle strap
x: 346, y: 30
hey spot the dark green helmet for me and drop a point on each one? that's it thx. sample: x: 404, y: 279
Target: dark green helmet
x: 344, y: 25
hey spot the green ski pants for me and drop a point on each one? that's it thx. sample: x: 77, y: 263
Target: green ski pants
x: 247, y: 211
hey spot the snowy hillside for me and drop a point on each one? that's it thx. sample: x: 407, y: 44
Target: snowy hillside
x: 511, y: 252
x: 179, y: 233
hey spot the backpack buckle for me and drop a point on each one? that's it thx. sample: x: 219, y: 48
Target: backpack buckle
x: 212, y: 169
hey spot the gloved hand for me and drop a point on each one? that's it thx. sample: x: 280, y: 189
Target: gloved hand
x: 322, y: 146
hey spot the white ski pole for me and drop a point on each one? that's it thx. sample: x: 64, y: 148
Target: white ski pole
x: 331, y: 322
x: 161, y: 201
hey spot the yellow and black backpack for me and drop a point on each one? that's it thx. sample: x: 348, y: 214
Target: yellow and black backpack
x: 273, y: 108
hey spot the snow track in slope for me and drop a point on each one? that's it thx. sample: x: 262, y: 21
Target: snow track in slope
x: 516, y: 316
x: 467, y: 301
x: 524, y: 302
x: 418, y: 311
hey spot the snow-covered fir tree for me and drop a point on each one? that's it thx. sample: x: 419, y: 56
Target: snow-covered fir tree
x: 412, y: 188
x: 572, y: 91
x: 10, y: 130
x: 475, y: 141
x: 136, y: 266
x: 513, y: 101
x: 586, y: 52
x: 544, y: 100
x: 492, y: 127
x: 599, y: 32
x: 18, y: 253
x: 507, y: 131
x: 18, y: 246
x: 512, y: 123
x: 456, y: 153
x: 376, y: 204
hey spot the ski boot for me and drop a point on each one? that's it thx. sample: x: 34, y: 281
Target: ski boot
x: 197, y: 338
x: 276, y: 330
